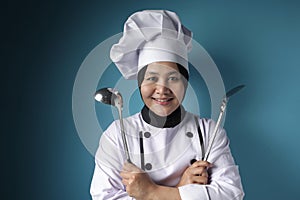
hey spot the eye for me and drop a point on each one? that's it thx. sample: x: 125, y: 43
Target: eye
x: 151, y: 78
x: 173, y: 78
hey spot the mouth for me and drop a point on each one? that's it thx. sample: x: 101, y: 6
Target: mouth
x: 162, y: 101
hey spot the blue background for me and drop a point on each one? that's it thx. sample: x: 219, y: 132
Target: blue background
x: 44, y: 43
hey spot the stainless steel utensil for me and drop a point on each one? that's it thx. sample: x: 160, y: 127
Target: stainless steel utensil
x: 222, y: 110
x: 113, y: 97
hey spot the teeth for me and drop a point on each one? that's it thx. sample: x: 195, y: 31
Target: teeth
x: 162, y: 100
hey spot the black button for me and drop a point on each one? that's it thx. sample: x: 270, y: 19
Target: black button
x: 147, y: 134
x: 148, y: 166
x: 189, y: 134
x: 193, y: 160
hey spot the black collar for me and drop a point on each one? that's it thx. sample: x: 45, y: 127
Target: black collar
x: 163, y: 122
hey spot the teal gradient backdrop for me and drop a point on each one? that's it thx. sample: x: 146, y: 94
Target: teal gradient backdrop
x: 44, y: 43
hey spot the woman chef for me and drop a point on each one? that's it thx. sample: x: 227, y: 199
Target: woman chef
x: 166, y: 143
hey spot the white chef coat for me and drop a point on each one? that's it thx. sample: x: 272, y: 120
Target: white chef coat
x: 167, y: 153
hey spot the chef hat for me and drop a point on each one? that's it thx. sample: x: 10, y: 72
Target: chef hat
x: 151, y: 36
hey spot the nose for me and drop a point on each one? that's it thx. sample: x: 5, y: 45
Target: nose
x: 162, y: 88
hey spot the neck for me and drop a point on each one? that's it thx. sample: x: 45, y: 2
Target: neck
x: 163, y: 122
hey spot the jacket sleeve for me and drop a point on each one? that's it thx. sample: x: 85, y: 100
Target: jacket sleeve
x: 106, y: 182
x: 225, y: 182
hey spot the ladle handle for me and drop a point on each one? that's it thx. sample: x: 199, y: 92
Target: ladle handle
x: 124, y: 136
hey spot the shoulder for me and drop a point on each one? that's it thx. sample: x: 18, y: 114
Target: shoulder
x: 202, y: 121
x: 131, y: 121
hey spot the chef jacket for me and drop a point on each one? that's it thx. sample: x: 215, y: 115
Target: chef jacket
x: 167, y: 152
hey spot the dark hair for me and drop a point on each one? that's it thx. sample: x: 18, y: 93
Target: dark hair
x: 182, y: 70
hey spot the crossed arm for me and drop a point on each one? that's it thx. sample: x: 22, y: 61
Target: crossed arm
x: 112, y: 180
x: 140, y: 186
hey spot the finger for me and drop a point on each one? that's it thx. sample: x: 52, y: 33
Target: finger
x: 125, y: 175
x: 201, y: 163
x: 125, y: 182
x: 197, y: 171
x: 200, y: 180
x: 204, y: 174
x: 127, y: 166
x: 131, y: 167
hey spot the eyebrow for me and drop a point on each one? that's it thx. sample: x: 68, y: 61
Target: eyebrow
x: 156, y: 73
x: 173, y: 72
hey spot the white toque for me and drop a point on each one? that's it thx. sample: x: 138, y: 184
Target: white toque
x: 151, y: 36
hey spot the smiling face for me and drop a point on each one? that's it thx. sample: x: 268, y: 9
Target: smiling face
x: 162, y: 88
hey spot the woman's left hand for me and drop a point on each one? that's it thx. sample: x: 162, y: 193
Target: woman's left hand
x: 138, y: 183
x: 195, y: 174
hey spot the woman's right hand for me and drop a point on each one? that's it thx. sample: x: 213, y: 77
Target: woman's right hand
x: 195, y: 174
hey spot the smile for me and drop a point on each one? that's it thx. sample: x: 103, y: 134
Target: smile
x: 162, y: 101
